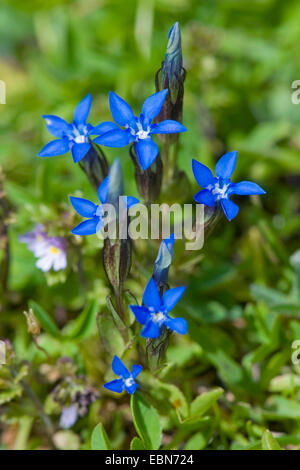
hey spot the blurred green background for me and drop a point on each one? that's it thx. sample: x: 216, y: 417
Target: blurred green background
x: 243, y: 290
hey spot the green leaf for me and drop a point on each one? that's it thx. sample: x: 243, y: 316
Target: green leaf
x: 197, y: 442
x: 44, y: 319
x: 100, y: 440
x: 11, y: 392
x: 110, y: 336
x: 85, y: 323
x: 146, y: 421
x: 117, y: 319
x: 268, y: 295
x: 205, y: 401
x: 170, y: 396
x: 268, y: 442
x: 278, y: 407
x: 137, y: 444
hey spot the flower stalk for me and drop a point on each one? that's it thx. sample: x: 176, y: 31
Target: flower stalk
x: 95, y: 165
x: 148, y: 181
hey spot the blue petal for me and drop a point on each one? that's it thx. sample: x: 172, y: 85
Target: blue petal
x: 202, y: 174
x: 150, y: 330
x: 88, y: 227
x: 131, y: 389
x: 179, y: 325
x: 130, y: 201
x: 79, y: 151
x: 164, y: 259
x: 119, y: 368
x: 245, y: 188
x: 54, y: 148
x: 226, y: 165
x: 115, y: 385
x: 230, y: 208
x: 114, y: 138
x: 120, y: 110
x: 103, y: 190
x: 84, y: 207
x: 170, y: 241
x: 172, y: 296
x: 140, y: 313
x: 168, y: 127
x: 136, y: 370
x: 151, y: 297
x: 205, y: 197
x: 147, y: 151
x: 103, y: 128
x: 153, y: 104
x: 56, y: 125
x: 82, y: 110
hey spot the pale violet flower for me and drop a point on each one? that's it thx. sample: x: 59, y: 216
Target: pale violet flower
x: 50, y: 251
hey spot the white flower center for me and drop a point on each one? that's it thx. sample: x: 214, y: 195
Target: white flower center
x: 129, y: 382
x: 80, y: 135
x: 80, y: 139
x: 158, y: 317
x: 220, y: 192
x: 140, y: 134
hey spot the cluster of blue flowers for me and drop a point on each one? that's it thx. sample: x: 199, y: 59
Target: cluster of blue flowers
x: 138, y: 130
x: 127, y: 129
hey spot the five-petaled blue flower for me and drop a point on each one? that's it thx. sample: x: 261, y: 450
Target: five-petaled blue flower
x: 220, y: 188
x: 137, y: 130
x: 126, y: 380
x: 95, y: 212
x: 74, y: 136
x: 155, y: 311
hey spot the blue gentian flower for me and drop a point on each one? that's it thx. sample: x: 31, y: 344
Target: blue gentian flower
x: 94, y: 212
x: 74, y: 136
x: 155, y: 311
x: 218, y: 189
x: 164, y: 259
x: 137, y: 130
x: 126, y: 380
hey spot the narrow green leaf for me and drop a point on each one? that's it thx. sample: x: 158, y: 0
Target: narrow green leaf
x: 44, y: 319
x: 268, y: 442
x: 203, y: 402
x: 110, y: 336
x: 100, y: 440
x: 85, y: 323
x: 146, y: 421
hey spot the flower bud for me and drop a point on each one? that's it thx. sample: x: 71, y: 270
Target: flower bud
x: 171, y: 76
x: 32, y: 323
x: 163, y: 261
x: 117, y: 261
x: 95, y: 166
x: 148, y: 181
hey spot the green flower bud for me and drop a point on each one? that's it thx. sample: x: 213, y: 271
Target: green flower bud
x: 171, y: 76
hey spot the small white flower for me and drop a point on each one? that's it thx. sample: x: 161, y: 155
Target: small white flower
x: 50, y: 251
